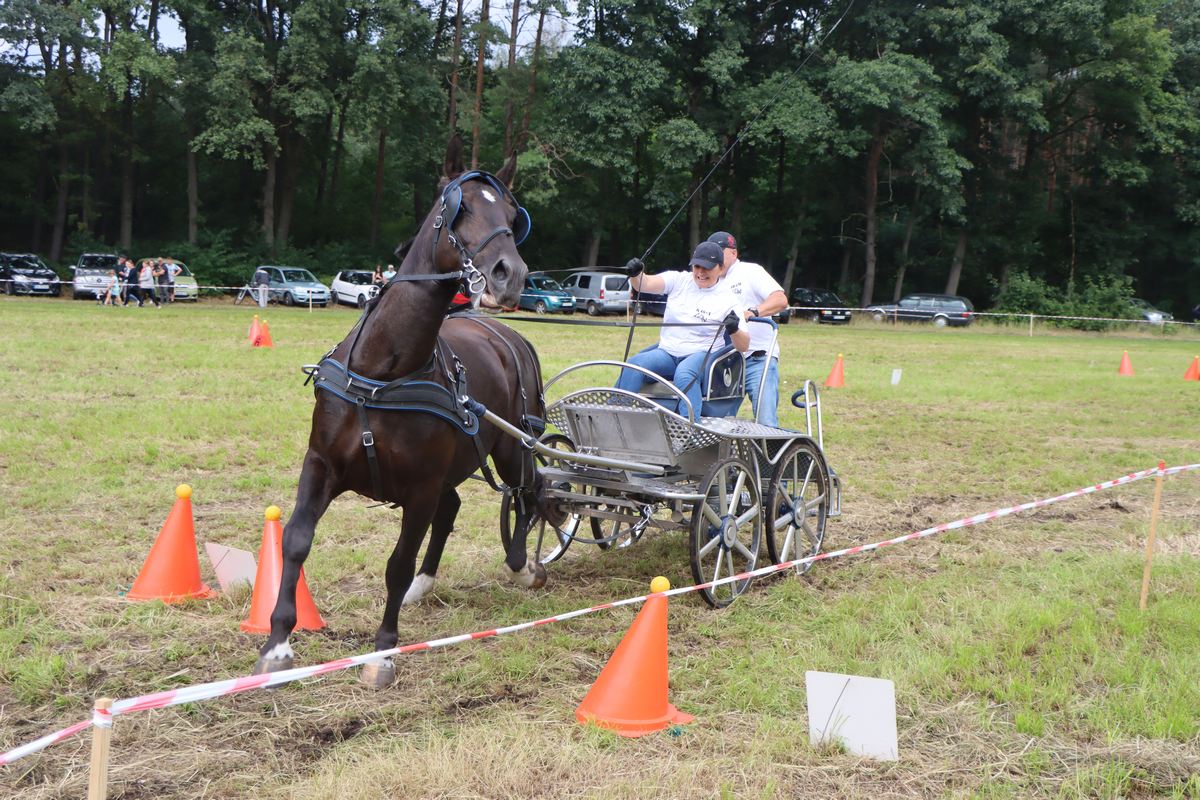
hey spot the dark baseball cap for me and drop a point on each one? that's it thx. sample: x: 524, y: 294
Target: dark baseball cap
x: 707, y: 255
x: 723, y: 240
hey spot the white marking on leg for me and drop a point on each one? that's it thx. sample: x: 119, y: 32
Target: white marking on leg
x: 420, y: 586
x: 280, y: 652
x: 524, y: 576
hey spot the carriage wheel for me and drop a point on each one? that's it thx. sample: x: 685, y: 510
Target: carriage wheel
x: 797, y: 505
x: 612, y: 532
x: 726, y: 530
x: 559, y: 539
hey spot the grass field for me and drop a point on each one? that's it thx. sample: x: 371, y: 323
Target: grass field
x: 1023, y: 667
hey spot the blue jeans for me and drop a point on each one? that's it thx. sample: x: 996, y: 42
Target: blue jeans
x: 686, y: 372
x: 770, y: 395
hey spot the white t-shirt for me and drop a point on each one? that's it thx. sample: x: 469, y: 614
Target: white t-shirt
x: 687, y: 302
x: 751, y: 284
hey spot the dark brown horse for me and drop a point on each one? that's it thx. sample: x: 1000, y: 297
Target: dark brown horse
x: 421, y: 457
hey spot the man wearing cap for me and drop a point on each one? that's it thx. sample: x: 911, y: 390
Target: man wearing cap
x: 761, y: 296
x: 702, y: 301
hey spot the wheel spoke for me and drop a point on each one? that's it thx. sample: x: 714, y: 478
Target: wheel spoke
x: 741, y: 548
x: 716, y: 569
x: 732, y: 569
x: 788, y: 542
x: 723, y: 492
x: 751, y: 513
x: 736, y: 497
x: 713, y: 518
x: 709, y: 545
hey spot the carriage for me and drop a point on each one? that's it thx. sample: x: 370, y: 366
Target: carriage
x: 622, y: 463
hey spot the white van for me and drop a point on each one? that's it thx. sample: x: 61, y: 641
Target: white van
x: 599, y: 292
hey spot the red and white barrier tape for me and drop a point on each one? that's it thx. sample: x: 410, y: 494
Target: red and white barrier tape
x: 208, y: 691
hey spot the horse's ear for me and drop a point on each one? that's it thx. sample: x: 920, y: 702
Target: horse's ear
x: 508, y: 172
x: 452, y: 167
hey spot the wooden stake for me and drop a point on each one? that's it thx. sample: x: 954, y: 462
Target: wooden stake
x: 101, y: 735
x: 1158, y: 482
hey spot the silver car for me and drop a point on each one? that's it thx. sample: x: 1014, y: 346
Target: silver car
x: 295, y: 285
x: 599, y: 292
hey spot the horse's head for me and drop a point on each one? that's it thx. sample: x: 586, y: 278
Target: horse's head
x: 478, y: 224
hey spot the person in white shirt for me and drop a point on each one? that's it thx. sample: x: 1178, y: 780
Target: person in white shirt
x: 699, y: 297
x: 761, y: 296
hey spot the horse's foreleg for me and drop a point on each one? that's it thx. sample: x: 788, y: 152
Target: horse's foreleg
x: 400, y: 568
x: 312, y: 499
x: 443, y: 524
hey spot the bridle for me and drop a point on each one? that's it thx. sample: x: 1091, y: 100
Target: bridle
x: 473, y: 281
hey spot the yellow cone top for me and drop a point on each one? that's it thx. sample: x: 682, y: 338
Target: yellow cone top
x: 839, y: 355
x: 183, y: 491
x: 273, y: 513
x: 660, y: 584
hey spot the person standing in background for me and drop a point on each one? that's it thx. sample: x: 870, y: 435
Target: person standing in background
x: 146, y: 284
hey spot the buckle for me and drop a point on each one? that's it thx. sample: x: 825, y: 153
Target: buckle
x: 438, y: 221
x: 368, y: 439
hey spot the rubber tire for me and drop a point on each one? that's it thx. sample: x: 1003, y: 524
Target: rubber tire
x: 593, y: 309
x: 539, y: 307
x: 288, y: 300
x: 10, y: 288
x: 700, y: 533
x: 878, y: 316
x: 362, y: 301
x: 940, y: 322
x: 791, y: 468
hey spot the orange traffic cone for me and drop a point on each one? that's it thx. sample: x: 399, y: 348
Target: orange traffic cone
x: 172, y: 570
x: 837, y: 375
x: 254, y: 331
x: 1193, y: 372
x: 630, y: 696
x: 264, y: 336
x: 266, y: 583
x: 1126, y: 367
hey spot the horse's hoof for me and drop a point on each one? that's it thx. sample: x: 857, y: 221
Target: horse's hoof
x: 531, y: 576
x: 265, y: 665
x: 539, y: 576
x: 378, y: 674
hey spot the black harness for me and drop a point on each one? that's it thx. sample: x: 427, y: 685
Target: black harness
x: 421, y: 391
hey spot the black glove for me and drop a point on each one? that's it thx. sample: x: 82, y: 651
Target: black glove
x: 731, y: 322
x: 634, y: 267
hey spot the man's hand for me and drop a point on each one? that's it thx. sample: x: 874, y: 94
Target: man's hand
x: 634, y: 267
x: 731, y: 322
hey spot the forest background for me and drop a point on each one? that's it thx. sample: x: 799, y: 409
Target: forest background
x: 1024, y: 153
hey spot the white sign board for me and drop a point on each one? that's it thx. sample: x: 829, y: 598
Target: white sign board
x: 858, y: 713
x: 896, y: 373
x: 233, y: 566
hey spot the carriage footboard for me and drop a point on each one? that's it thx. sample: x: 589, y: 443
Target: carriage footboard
x: 552, y: 454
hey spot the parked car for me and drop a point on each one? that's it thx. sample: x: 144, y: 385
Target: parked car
x: 354, y: 286
x: 186, y: 286
x: 650, y: 303
x: 820, y: 305
x: 1149, y: 312
x: 292, y: 285
x: 91, y: 274
x: 543, y: 294
x: 25, y: 273
x: 598, y: 292
x: 939, y: 309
